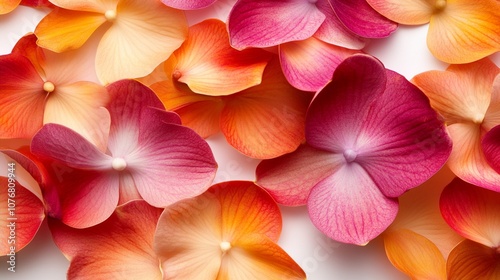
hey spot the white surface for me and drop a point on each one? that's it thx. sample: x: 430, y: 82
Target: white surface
x: 405, y: 52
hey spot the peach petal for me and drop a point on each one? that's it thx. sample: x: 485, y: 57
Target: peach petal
x: 8, y: 6
x: 98, y: 6
x: 473, y: 261
x: 414, y: 255
x: 411, y: 12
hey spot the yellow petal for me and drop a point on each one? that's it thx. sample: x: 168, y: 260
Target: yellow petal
x: 7, y: 6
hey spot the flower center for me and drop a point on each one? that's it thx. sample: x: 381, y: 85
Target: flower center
x: 119, y: 164
x: 49, y: 87
x: 350, y: 155
x: 440, y: 4
x: 225, y: 246
x: 177, y: 74
x: 110, y: 15
x: 478, y: 118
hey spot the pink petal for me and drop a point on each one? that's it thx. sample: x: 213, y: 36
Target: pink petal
x: 348, y: 206
x: 309, y: 166
x: 188, y: 4
x: 491, y: 147
x: 269, y: 23
x: 362, y: 19
x: 309, y: 65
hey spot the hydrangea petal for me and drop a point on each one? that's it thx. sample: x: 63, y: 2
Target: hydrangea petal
x: 297, y: 57
x: 465, y: 31
x: 269, y: 23
x: 141, y: 37
x: 112, y: 249
x: 491, y: 148
x: 88, y: 6
x: 27, y: 47
x: 21, y: 91
x: 412, y: 12
x: 209, y: 65
x: 348, y: 207
x: 470, y: 260
x: 275, y: 174
x: 255, y: 256
x: 8, y: 6
x: 414, y: 255
x: 36, y: 3
x: 362, y: 19
x: 267, y: 120
x: 63, y: 30
x: 472, y: 212
x: 189, y: 4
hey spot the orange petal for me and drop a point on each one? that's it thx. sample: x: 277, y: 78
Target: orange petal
x: 209, y: 65
x: 27, y: 47
x: 414, y: 255
x: 473, y: 261
x: 79, y: 106
x: 7, y: 6
x: 267, y: 120
x: 465, y: 31
x: 255, y: 256
x: 141, y: 37
x: 410, y: 12
x: 88, y: 6
x: 62, y: 30
x: 119, y: 248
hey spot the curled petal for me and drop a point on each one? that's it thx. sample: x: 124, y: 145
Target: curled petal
x: 411, y: 12
x: 112, y: 249
x: 270, y: 23
x: 472, y: 212
x: 473, y: 261
x: 188, y: 5
x: 414, y: 255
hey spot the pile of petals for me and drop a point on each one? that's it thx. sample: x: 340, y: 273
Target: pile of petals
x: 107, y: 105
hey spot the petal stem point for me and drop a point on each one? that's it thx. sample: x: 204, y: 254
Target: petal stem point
x: 225, y: 246
x: 110, y: 15
x: 119, y: 164
x: 350, y: 155
x: 49, y: 87
x: 177, y: 75
x: 440, y: 5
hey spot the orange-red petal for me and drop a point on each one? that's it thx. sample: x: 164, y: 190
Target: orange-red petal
x: 473, y: 261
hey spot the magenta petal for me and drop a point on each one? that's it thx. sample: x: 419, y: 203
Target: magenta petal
x: 172, y: 164
x: 67, y: 146
x: 348, y: 206
x: 188, y: 4
x: 309, y: 65
x: 267, y: 23
x: 491, y: 147
x: 362, y: 19
x: 290, y: 178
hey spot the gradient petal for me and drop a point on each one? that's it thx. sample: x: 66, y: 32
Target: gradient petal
x: 8, y: 6
x: 139, y: 40
x: 63, y: 30
x: 465, y: 31
x: 188, y: 4
x: 255, y: 256
x: 491, y: 148
x: 121, y: 247
x: 362, y: 19
x: 473, y: 261
x: 267, y: 120
x: 21, y: 91
x: 269, y: 23
x: 348, y: 207
x: 414, y: 255
x: 472, y: 212
x: 290, y: 178
x: 411, y: 12
x: 36, y: 3
x: 27, y: 47
x: 87, y: 6
x: 209, y: 65
x: 297, y: 57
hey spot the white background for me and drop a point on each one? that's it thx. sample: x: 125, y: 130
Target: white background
x: 405, y: 52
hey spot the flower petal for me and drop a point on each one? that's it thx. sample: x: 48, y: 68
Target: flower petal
x: 414, y: 255
x: 87, y: 6
x: 491, y: 148
x: 290, y: 178
x: 309, y: 65
x: 472, y: 212
x: 255, y: 256
x: 121, y: 247
x: 209, y: 65
x: 139, y: 40
x: 269, y: 23
x: 267, y: 120
x: 189, y: 4
x: 8, y: 6
x: 362, y: 19
x: 62, y: 30
x: 450, y: 36
x: 348, y: 206
x: 410, y: 12
x: 470, y: 260
x: 21, y: 91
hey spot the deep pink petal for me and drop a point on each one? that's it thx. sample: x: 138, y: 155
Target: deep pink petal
x: 290, y: 178
x: 348, y: 206
x: 491, y: 147
x: 66, y: 146
x: 188, y: 4
x: 268, y: 23
x: 362, y: 19
x: 308, y: 65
